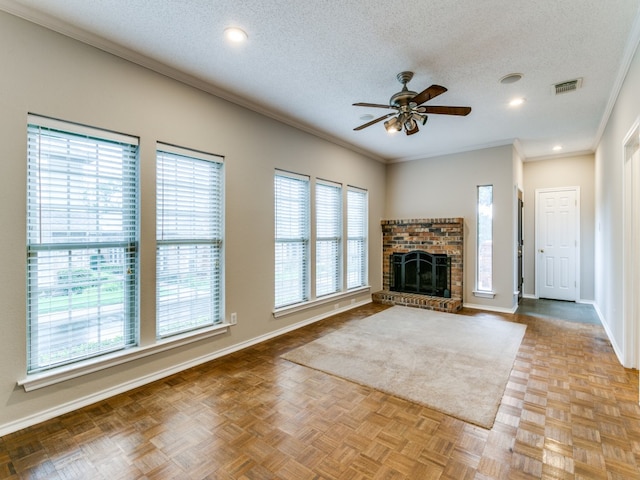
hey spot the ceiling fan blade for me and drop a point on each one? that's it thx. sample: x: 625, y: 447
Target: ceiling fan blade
x: 379, y: 119
x: 375, y: 105
x: 447, y: 110
x: 431, y: 92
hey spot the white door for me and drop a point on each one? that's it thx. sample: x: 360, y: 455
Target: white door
x: 557, y: 243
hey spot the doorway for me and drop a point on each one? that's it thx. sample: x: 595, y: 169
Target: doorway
x: 557, y: 226
x: 631, y: 257
x: 520, y: 246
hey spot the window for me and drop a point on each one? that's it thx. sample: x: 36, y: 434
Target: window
x: 484, y: 269
x: 328, y: 238
x: 189, y: 209
x: 291, y: 239
x: 356, y: 237
x: 82, y: 242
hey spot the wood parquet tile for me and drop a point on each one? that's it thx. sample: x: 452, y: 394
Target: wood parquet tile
x: 569, y: 411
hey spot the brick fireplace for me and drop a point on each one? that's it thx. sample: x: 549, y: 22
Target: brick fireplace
x: 435, y: 236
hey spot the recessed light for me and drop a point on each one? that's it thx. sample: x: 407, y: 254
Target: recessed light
x: 511, y: 78
x: 557, y: 148
x: 516, y: 102
x: 235, y: 34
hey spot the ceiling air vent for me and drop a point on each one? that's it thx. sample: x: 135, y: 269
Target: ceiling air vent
x: 569, y: 86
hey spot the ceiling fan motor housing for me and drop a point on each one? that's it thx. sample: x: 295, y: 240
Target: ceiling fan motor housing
x: 402, y: 98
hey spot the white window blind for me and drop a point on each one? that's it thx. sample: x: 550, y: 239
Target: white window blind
x: 328, y: 210
x: 291, y: 239
x: 189, y: 233
x: 82, y: 242
x: 357, y: 227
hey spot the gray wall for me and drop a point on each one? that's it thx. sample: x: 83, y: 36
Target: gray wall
x: 575, y: 171
x: 446, y: 186
x: 609, y: 225
x: 49, y: 74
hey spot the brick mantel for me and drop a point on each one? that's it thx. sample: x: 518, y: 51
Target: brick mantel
x: 432, y: 235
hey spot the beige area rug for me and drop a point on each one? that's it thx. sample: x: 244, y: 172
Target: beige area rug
x: 456, y: 364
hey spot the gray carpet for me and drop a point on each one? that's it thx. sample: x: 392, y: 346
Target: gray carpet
x: 456, y: 364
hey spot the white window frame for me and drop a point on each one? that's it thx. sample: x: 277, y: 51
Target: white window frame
x: 484, y: 243
x: 292, y: 239
x: 328, y: 233
x: 357, y: 237
x: 82, y: 219
x: 189, y: 240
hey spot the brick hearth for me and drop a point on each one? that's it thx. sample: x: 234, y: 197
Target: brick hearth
x: 433, y: 235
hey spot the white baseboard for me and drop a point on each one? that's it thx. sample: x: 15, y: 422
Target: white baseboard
x: 586, y: 302
x: 580, y: 300
x: 616, y: 348
x: 489, y: 308
x: 42, y: 416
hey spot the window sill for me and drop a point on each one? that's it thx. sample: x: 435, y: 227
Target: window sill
x: 482, y: 294
x: 299, y: 307
x: 68, y: 372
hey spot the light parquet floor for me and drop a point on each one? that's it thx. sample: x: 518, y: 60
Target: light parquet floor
x: 570, y: 411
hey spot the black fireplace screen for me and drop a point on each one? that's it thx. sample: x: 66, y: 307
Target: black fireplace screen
x: 421, y: 272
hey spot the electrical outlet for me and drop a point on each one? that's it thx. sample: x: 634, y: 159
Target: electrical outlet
x: 353, y: 301
x: 336, y: 306
x: 233, y: 319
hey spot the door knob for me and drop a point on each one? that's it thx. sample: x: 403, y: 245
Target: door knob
x: 541, y: 250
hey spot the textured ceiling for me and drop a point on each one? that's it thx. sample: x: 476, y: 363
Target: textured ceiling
x: 306, y: 62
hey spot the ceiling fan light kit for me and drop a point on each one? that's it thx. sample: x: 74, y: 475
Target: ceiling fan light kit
x: 393, y: 125
x: 409, y: 109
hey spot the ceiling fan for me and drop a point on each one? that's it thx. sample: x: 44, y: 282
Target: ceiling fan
x: 409, y: 109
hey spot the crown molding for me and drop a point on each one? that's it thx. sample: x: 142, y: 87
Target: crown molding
x: 556, y: 156
x: 468, y: 148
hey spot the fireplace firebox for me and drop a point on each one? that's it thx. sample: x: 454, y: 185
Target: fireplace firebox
x: 421, y: 272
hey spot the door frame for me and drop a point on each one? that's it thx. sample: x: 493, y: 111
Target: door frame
x: 630, y: 256
x: 537, y: 220
x: 520, y: 243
